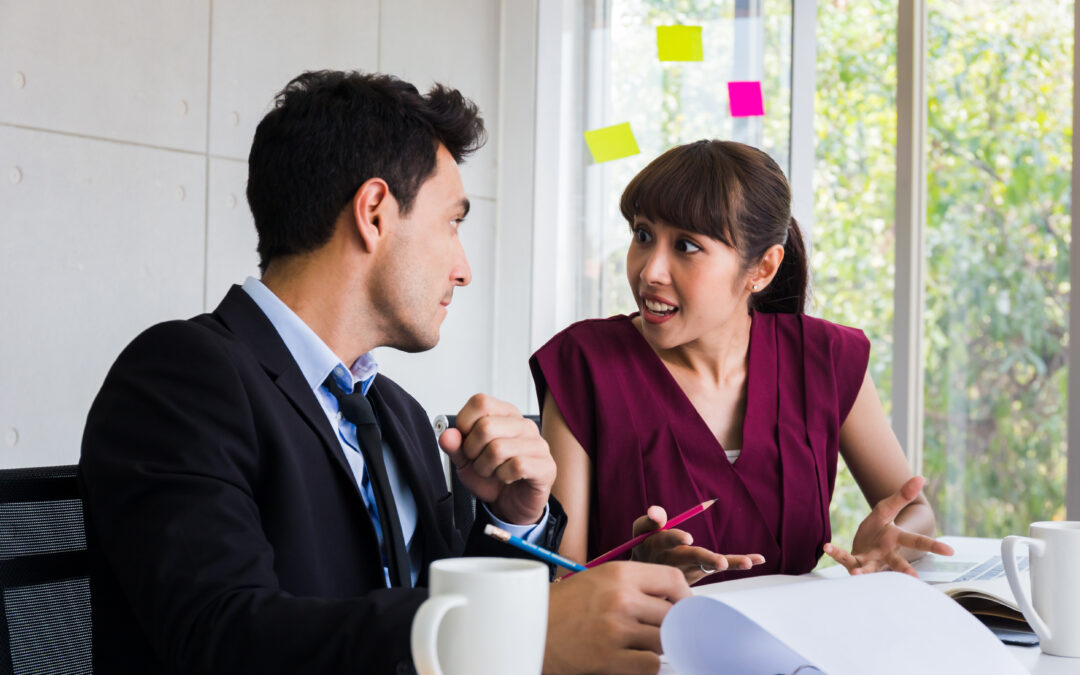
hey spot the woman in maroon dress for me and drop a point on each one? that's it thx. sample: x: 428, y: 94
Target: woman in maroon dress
x: 720, y: 387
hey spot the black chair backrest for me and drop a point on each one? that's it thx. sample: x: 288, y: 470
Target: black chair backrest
x: 45, y: 624
x: 464, y: 501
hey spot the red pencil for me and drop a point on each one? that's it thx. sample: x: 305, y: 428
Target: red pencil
x: 623, y: 548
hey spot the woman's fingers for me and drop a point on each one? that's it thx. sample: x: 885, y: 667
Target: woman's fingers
x: 692, y: 557
x: 656, y: 548
x: 921, y: 542
x: 898, y: 563
x: 668, y: 539
x: 744, y: 562
x: 842, y: 557
x: 654, y: 519
x: 887, y: 509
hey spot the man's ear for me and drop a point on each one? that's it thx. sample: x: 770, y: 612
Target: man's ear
x: 372, y: 206
x: 762, y: 275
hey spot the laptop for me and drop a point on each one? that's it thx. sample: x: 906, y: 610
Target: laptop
x: 975, y: 560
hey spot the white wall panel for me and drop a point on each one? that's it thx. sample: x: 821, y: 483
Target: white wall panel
x: 259, y: 46
x: 133, y: 71
x: 102, y: 236
x: 457, y: 44
x: 443, y: 378
x: 230, y: 231
x: 100, y: 240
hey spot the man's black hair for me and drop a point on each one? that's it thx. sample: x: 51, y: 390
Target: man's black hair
x: 329, y: 132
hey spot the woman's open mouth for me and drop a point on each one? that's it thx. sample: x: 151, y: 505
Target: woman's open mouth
x: 655, y: 311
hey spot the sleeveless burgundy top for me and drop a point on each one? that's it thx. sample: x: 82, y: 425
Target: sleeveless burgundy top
x: 648, y: 444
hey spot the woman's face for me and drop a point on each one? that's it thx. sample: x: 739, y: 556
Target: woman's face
x: 686, y: 285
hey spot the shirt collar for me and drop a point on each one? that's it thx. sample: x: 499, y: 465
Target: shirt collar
x: 316, y: 360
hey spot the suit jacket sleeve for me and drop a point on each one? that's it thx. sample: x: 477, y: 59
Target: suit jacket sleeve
x: 480, y: 544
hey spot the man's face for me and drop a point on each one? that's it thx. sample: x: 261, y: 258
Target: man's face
x: 423, y: 261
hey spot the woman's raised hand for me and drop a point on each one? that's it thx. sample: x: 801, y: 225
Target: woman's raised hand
x: 675, y: 548
x: 878, y: 540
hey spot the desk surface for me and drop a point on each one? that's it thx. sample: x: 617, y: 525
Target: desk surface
x: 1032, y: 658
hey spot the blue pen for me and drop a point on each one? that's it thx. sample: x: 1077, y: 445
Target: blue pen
x: 542, y: 553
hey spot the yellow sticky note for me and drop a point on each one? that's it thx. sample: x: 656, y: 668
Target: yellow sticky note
x: 612, y: 142
x: 679, y: 43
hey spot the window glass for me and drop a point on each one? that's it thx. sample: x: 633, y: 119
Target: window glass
x: 999, y: 82
x: 670, y: 103
x: 852, y: 260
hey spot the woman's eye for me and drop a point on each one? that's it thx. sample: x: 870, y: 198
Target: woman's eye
x: 683, y: 246
x: 641, y: 236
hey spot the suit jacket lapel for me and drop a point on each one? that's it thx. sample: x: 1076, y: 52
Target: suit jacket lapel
x: 248, y: 323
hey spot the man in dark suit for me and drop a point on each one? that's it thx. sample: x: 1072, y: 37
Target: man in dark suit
x: 258, y: 498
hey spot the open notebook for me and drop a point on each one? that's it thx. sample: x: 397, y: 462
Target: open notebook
x: 884, y: 623
x: 975, y: 578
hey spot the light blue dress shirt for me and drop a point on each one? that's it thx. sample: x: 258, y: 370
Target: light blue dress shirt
x: 317, y: 361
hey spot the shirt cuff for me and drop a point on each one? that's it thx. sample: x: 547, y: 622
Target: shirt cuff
x: 530, y: 533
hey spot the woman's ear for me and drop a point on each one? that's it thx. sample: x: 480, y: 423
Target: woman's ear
x: 761, y: 275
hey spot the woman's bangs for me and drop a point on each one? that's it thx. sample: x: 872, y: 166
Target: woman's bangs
x: 683, y: 188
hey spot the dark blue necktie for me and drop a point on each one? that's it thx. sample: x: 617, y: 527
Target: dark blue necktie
x: 356, y: 408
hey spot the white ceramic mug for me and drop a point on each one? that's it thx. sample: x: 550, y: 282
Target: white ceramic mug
x: 1053, y: 609
x: 485, y: 616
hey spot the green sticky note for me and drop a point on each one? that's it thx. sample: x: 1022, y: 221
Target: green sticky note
x: 679, y: 43
x: 612, y: 142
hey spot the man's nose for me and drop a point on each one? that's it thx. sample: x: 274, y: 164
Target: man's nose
x: 461, y: 274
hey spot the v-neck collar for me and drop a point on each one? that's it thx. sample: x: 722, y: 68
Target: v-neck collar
x: 701, y: 449
x: 668, y: 380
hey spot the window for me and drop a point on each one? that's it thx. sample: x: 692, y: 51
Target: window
x: 999, y: 159
x: 991, y: 259
x: 854, y: 194
x: 669, y: 103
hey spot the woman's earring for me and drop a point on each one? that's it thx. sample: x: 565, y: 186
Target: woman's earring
x: 754, y: 287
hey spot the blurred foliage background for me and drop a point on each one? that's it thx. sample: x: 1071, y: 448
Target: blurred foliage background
x: 999, y: 136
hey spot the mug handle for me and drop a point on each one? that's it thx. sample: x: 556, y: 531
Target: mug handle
x: 1008, y: 559
x: 425, y: 632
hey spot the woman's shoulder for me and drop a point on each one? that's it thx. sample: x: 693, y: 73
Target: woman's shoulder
x: 575, y: 365
x: 832, y: 353
x: 817, y: 329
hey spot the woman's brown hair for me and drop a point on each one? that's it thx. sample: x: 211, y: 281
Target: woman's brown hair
x: 735, y: 194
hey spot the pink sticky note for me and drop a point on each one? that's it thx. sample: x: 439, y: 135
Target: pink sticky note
x: 745, y: 99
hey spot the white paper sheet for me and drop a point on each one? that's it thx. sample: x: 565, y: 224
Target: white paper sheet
x: 886, y: 624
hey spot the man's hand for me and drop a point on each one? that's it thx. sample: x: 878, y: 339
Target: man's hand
x: 501, y: 458
x: 607, y: 619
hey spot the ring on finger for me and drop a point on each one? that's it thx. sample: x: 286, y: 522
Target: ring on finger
x: 705, y: 570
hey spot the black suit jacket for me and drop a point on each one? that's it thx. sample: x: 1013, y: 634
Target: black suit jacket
x: 225, y: 528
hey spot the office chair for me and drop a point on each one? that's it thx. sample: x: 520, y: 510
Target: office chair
x: 45, y: 624
x: 464, y: 501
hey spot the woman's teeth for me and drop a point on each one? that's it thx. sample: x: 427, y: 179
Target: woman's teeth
x: 659, y: 307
